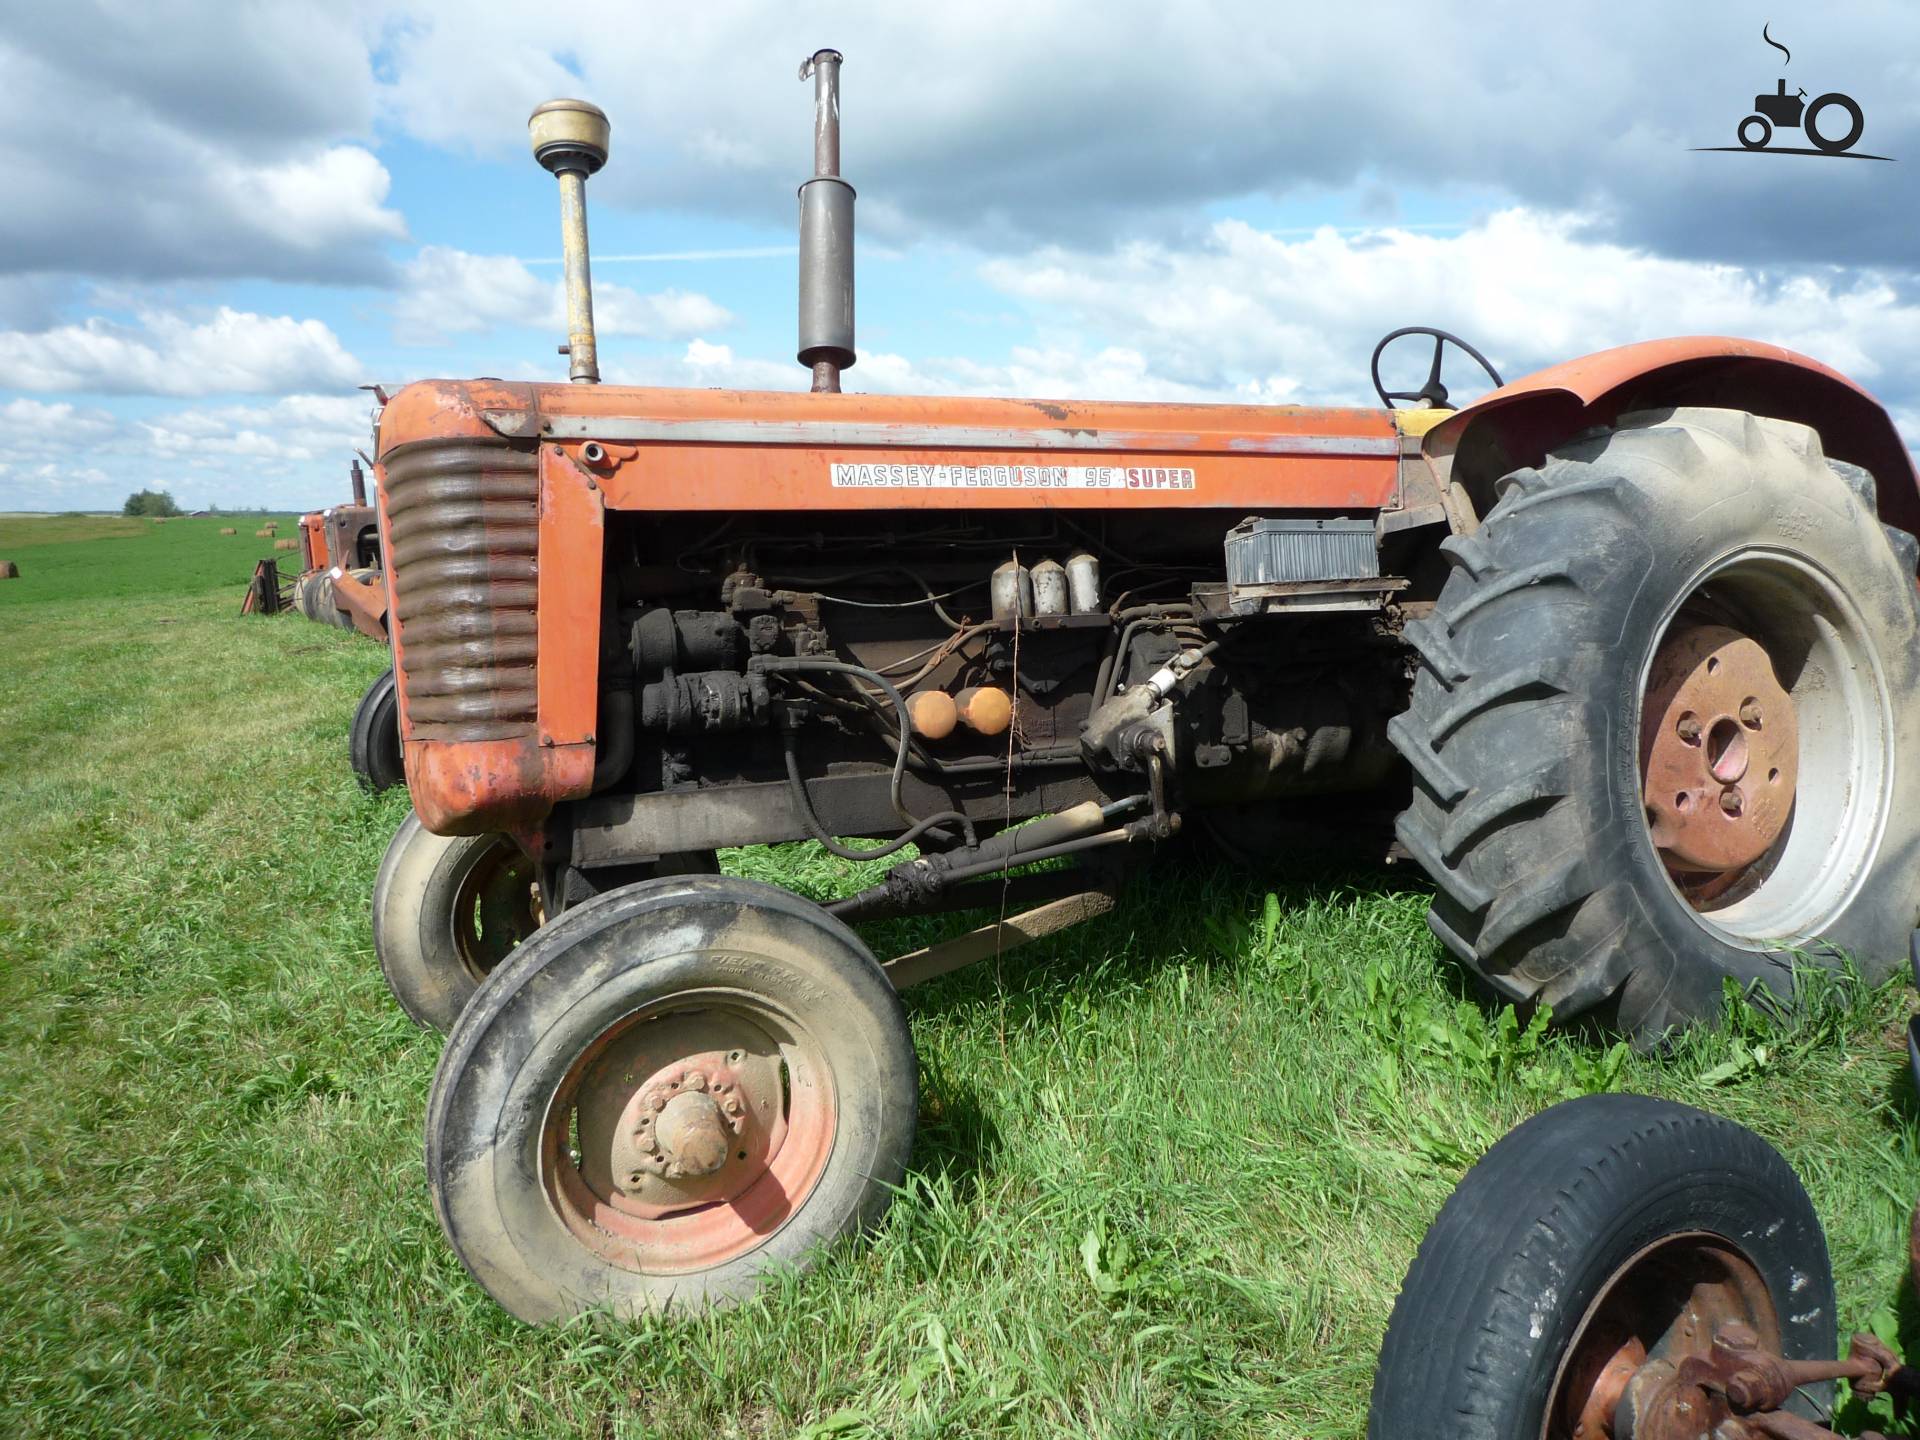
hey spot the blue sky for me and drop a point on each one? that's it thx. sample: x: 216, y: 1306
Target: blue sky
x: 247, y: 211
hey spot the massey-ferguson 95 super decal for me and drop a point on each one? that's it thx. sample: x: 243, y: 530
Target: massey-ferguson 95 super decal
x: 1012, y: 477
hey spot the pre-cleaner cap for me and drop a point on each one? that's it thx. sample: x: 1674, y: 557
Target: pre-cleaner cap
x: 570, y: 135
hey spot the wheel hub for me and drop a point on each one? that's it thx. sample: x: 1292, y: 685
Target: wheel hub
x: 1720, y: 750
x: 659, y: 1135
x: 691, y: 1135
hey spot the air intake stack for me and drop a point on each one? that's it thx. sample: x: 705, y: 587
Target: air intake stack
x: 570, y: 138
x: 826, y: 236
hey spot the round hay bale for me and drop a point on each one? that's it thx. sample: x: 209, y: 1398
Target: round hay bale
x: 228, y: 530
x: 263, y: 534
x: 284, y: 544
x: 9, y: 570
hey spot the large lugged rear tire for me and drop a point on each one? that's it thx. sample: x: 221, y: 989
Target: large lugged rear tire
x: 1532, y: 810
x: 669, y: 1094
x: 1613, y: 1227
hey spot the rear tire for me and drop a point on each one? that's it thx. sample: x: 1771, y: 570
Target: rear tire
x: 1529, y: 1241
x: 373, y: 743
x: 542, y: 1147
x: 1523, y: 730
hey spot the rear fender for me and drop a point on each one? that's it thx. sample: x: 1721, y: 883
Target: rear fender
x: 1518, y: 424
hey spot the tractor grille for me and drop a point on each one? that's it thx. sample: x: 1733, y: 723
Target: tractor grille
x: 464, y: 519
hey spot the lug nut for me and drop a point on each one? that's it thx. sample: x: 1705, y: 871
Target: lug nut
x: 1750, y: 714
x: 1731, y: 802
x: 696, y: 1081
x: 1688, y: 728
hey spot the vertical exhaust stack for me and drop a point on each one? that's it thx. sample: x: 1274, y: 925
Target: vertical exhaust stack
x: 826, y: 236
x: 570, y: 139
x: 359, y: 478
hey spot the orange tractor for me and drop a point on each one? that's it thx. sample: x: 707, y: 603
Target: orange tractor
x: 343, y: 582
x: 1628, y: 646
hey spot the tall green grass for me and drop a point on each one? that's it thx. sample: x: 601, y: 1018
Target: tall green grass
x: 1170, y: 1166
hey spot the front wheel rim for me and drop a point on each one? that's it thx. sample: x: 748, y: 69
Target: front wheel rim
x: 495, y: 907
x: 1832, y: 794
x: 624, y: 1150
x: 1663, y: 1305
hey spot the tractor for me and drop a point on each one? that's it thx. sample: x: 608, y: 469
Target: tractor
x: 343, y: 582
x: 1620, y: 1266
x: 1622, y: 655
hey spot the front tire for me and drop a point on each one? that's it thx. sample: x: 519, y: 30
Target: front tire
x: 448, y: 909
x: 373, y: 742
x: 1671, y: 534
x: 1609, y: 1226
x: 673, y: 1091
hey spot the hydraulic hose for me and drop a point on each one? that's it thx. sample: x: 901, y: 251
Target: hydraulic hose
x: 785, y: 665
x: 791, y: 745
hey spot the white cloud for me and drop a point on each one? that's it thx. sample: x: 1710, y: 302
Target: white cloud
x: 293, y: 428
x: 291, y: 452
x: 1247, y: 312
x: 315, y: 202
x: 59, y: 424
x: 167, y: 353
x: 447, y: 291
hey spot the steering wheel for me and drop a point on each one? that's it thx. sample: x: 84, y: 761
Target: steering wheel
x: 1433, y: 394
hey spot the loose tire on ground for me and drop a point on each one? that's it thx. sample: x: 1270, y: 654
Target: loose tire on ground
x: 689, y: 987
x: 1550, y: 1240
x: 373, y: 742
x: 1524, y: 727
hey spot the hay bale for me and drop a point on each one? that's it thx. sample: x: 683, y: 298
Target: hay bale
x: 263, y: 534
x: 9, y: 570
x: 228, y: 530
x: 285, y: 544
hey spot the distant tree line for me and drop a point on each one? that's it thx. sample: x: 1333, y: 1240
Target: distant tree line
x: 150, y: 502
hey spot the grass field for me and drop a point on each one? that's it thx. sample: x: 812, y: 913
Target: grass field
x: 1169, y: 1171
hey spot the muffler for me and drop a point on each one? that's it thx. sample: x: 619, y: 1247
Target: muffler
x: 826, y: 236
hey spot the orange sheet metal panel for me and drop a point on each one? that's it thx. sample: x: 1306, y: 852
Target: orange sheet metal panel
x: 572, y: 531
x: 313, y: 541
x: 727, y: 450
x: 1591, y: 376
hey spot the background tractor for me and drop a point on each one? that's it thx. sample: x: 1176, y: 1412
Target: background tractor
x: 343, y: 582
x: 1628, y: 647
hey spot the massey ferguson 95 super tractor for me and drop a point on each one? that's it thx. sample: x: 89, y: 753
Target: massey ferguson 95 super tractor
x: 1630, y: 645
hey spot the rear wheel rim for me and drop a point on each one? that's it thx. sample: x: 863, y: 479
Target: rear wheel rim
x: 647, y: 1197
x: 1664, y: 1304
x: 1813, y: 771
